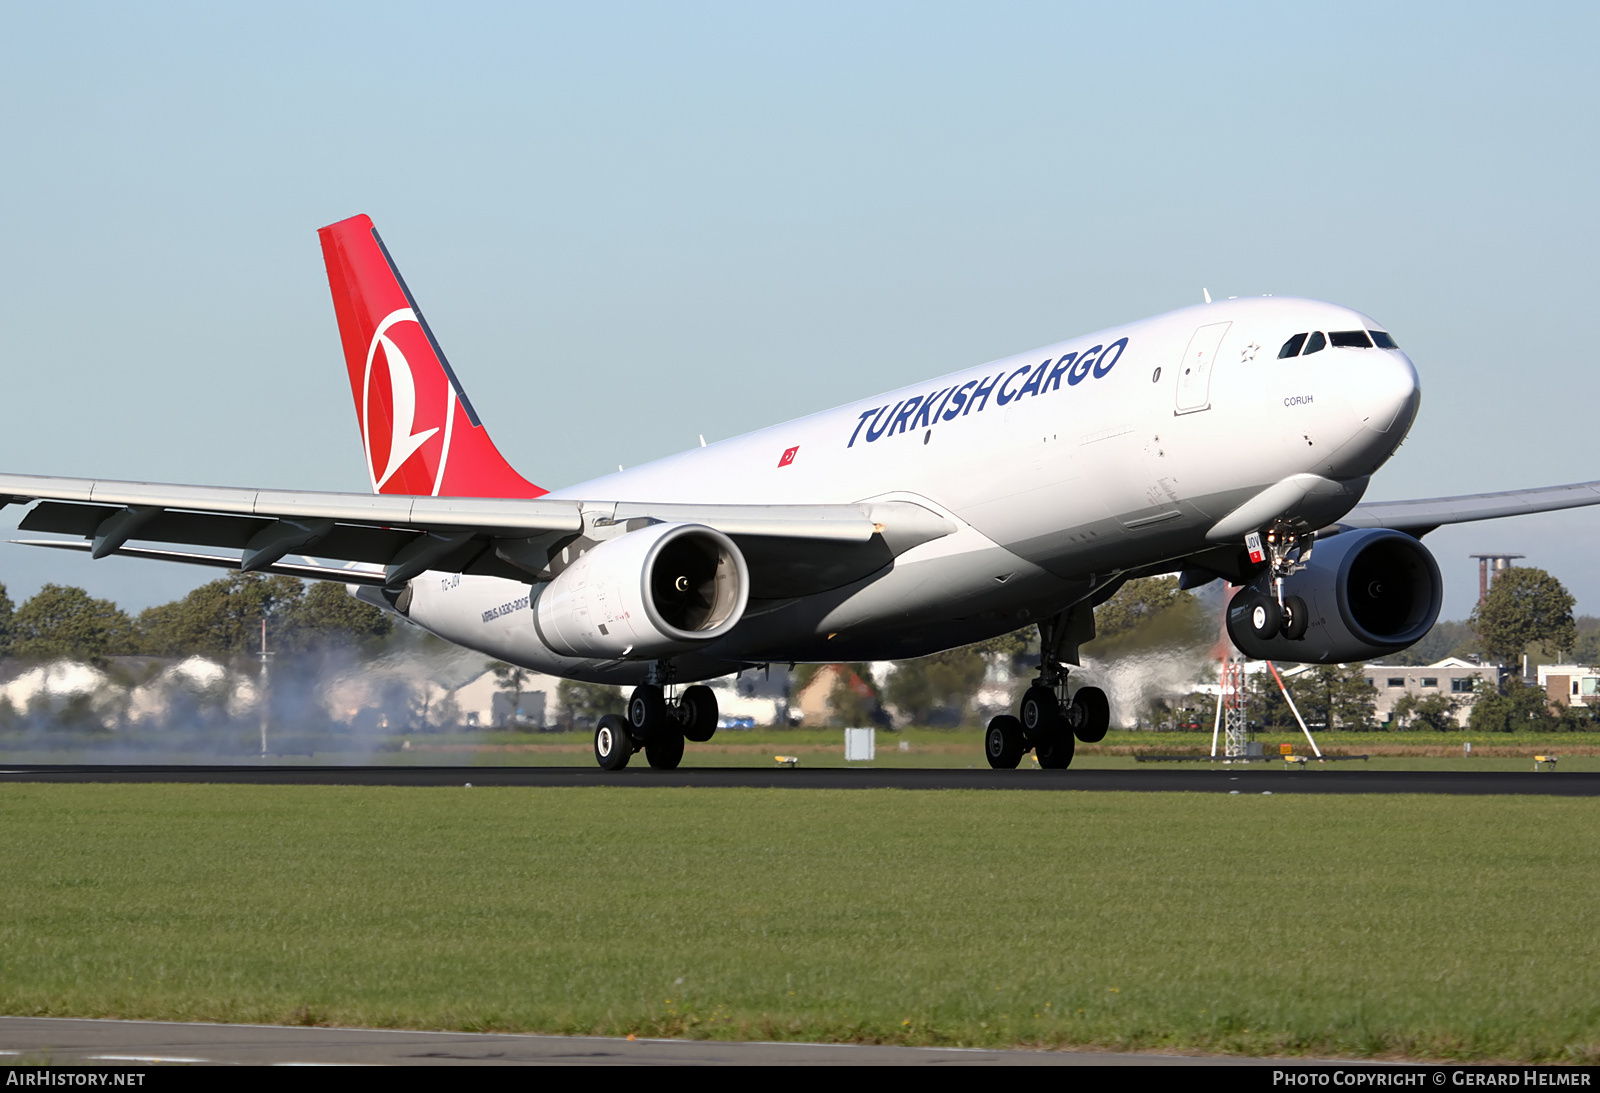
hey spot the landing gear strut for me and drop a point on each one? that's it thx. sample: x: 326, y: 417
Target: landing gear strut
x: 1049, y: 723
x: 1288, y: 548
x: 656, y: 723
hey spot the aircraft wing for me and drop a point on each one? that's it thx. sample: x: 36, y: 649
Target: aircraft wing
x: 791, y: 549
x: 1420, y: 517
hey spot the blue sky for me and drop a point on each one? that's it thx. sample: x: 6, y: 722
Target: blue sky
x: 630, y: 224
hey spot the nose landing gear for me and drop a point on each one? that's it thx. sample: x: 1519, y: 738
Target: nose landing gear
x: 656, y: 723
x: 1288, y: 548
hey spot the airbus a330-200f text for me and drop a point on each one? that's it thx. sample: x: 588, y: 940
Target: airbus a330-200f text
x: 1232, y: 440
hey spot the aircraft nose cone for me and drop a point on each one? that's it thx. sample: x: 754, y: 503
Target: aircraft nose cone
x: 1384, y: 393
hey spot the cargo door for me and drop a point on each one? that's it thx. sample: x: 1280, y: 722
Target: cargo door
x: 1194, y: 371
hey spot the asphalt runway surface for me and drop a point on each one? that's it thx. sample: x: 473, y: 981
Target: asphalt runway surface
x: 1230, y: 780
x: 64, y: 1041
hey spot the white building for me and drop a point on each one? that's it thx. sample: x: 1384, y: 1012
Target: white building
x: 1570, y: 684
x: 1452, y: 677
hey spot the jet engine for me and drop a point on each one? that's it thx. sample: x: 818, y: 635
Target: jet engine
x: 1364, y: 593
x: 661, y: 590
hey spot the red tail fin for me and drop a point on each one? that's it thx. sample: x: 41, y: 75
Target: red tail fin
x: 420, y: 433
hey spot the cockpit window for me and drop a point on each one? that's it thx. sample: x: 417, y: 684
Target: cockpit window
x: 1291, y: 348
x: 1382, y: 339
x: 1350, y: 339
x: 1316, y: 345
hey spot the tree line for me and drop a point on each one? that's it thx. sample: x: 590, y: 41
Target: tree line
x: 221, y: 620
x: 1527, y: 611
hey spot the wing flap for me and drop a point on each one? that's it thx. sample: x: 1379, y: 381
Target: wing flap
x: 291, y: 569
x: 61, y: 518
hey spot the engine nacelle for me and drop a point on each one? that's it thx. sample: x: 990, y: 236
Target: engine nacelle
x: 1368, y: 593
x: 663, y: 589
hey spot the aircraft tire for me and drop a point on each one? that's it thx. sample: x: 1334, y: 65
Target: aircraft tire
x: 1040, y: 714
x: 665, y: 749
x: 698, y: 712
x: 1004, y: 743
x: 1091, y: 715
x: 1295, y: 618
x: 612, y: 745
x: 647, y: 712
x: 1055, y: 751
x: 1265, y: 618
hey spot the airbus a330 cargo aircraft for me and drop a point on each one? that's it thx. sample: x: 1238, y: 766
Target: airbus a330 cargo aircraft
x: 1232, y: 440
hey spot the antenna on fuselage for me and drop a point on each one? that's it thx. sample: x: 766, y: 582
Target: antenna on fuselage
x: 1207, y: 294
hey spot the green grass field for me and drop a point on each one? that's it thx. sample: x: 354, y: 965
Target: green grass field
x: 1366, y: 926
x: 913, y: 747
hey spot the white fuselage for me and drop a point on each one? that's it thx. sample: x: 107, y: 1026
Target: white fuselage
x: 1058, y: 467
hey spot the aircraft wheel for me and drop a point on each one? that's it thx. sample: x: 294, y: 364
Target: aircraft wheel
x: 1041, y: 713
x: 1004, y: 742
x: 665, y: 749
x: 697, y: 711
x: 1265, y: 618
x: 1055, y: 751
x: 1091, y: 715
x: 612, y: 746
x: 647, y: 712
x: 1296, y: 617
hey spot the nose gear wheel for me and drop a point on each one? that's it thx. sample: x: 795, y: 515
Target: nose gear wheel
x: 1295, y: 618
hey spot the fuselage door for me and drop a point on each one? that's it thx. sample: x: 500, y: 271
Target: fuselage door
x: 1194, y: 373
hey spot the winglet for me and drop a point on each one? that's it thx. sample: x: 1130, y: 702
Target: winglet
x: 418, y: 429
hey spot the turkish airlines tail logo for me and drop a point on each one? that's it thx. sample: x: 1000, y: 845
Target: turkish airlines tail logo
x: 418, y: 431
x: 402, y: 404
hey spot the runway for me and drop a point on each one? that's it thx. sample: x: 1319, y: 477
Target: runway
x: 1230, y: 780
x: 138, y: 1044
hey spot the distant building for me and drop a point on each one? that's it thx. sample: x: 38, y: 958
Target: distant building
x: 815, y: 700
x: 1570, y: 684
x: 1452, y: 677
x: 753, y: 698
x: 485, y: 702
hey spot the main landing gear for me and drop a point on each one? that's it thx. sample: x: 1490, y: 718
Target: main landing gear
x: 657, y: 724
x: 1049, y: 724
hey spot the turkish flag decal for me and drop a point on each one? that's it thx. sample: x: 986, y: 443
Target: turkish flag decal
x: 788, y: 456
